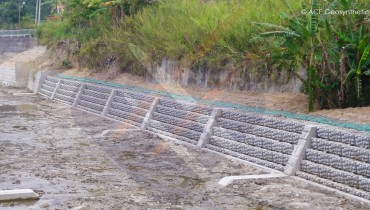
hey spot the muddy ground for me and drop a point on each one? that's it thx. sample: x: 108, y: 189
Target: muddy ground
x: 49, y: 147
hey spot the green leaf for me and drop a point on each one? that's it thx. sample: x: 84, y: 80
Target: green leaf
x: 363, y: 60
x: 314, y: 19
x: 350, y: 75
x: 367, y: 73
x: 279, y: 33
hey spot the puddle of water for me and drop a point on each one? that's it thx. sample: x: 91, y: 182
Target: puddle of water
x: 15, y: 108
x: 23, y: 128
x: 127, y: 155
x: 12, y: 204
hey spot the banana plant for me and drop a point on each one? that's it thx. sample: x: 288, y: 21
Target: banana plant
x: 358, y: 70
x: 299, y: 42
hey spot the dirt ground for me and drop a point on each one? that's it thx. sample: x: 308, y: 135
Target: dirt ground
x: 53, y: 149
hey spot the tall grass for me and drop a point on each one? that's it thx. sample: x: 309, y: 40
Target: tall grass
x: 190, y: 30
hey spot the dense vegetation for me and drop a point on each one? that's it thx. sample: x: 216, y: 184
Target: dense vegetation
x: 15, y: 14
x: 328, y: 52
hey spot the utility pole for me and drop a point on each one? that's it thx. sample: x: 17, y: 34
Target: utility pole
x: 19, y: 11
x: 38, y: 23
x: 36, y: 12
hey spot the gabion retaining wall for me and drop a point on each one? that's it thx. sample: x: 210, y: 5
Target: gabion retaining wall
x: 182, y: 121
x: 261, y: 140
x: 130, y: 107
x: 124, y: 106
x: 340, y: 160
x: 337, y: 159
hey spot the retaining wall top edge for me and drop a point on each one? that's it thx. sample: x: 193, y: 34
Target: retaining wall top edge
x: 277, y: 115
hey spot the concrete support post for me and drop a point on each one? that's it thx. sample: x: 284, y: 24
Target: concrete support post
x: 299, y: 152
x: 56, y: 90
x: 41, y: 80
x: 149, y: 114
x: 208, y: 129
x: 78, y: 96
x: 109, y: 102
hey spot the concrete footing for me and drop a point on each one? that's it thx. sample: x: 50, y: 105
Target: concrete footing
x: 230, y: 179
x: 106, y: 133
x: 23, y: 194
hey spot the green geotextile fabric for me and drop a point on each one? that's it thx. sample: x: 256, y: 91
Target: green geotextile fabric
x: 323, y: 120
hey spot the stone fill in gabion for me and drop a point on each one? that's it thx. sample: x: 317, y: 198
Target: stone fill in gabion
x: 200, y: 118
x: 344, y: 137
x: 95, y: 94
x: 186, y: 106
x: 257, y: 137
x: 137, y: 96
x: 257, y: 130
x: 126, y: 107
x: 264, y: 121
x: 132, y: 102
x: 339, y: 159
x: 183, y: 120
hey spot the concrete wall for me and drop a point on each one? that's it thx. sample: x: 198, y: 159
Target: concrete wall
x: 17, y: 76
x: 16, y: 44
x: 325, y: 155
